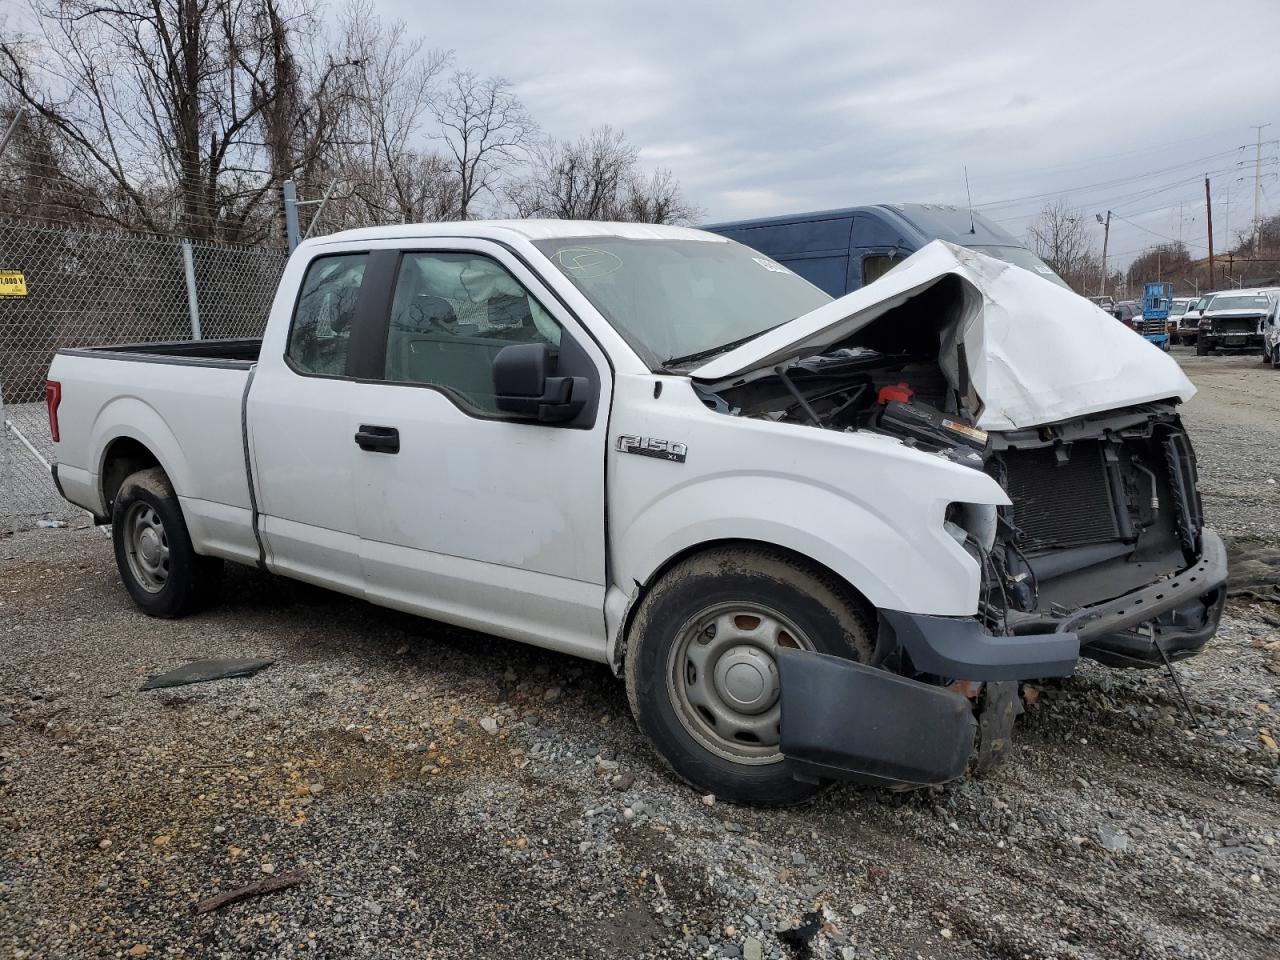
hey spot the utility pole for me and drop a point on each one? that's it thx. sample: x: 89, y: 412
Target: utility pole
x: 1208, y: 219
x: 1106, y: 235
x: 1257, y: 188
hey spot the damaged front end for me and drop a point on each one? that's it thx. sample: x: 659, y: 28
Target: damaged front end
x: 1102, y: 551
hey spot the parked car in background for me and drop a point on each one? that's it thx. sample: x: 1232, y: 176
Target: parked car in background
x: 1233, y: 320
x: 842, y: 250
x: 1189, y: 322
x: 1128, y: 312
x: 1176, y: 312
x: 790, y: 522
x: 1103, y: 303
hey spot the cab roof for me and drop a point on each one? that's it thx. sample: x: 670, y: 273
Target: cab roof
x: 522, y: 229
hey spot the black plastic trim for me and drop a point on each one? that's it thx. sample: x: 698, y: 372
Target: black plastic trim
x: 166, y: 353
x: 53, y: 470
x: 1207, y: 574
x: 255, y: 516
x: 367, y: 349
x: 960, y: 648
x: 845, y: 720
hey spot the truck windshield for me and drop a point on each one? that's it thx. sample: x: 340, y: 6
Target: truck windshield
x: 1179, y: 308
x: 1022, y: 257
x: 682, y: 299
x: 1241, y: 303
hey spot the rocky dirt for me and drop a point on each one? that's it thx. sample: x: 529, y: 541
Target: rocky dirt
x: 447, y: 794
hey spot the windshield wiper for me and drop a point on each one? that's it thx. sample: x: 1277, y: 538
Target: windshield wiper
x: 713, y: 351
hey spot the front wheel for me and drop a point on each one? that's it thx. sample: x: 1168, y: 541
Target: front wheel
x: 159, y: 566
x: 1202, y: 348
x: 701, y: 673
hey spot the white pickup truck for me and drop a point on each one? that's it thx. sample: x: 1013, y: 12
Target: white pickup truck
x: 821, y: 539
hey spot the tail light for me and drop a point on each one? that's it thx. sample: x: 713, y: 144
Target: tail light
x: 52, y: 398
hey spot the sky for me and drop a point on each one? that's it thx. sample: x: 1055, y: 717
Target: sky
x: 770, y: 108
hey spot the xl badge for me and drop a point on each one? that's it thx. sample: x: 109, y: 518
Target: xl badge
x: 653, y: 447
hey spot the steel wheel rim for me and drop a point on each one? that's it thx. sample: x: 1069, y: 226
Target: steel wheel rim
x: 147, y: 547
x: 722, y: 679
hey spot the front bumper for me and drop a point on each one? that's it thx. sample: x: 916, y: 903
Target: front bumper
x: 1232, y: 338
x: 848, y: 721
x: 1179, y: 614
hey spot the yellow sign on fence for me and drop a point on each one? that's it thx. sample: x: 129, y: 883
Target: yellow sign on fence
x: 12, y: 283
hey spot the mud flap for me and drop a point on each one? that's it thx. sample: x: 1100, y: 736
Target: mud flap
x: 845, y: 720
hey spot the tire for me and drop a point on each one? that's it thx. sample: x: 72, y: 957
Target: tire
x: 1202, y: 348
x: 159, y: 567
x: 694, y: 626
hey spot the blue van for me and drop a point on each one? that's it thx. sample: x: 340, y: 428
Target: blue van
x: 842, y: 250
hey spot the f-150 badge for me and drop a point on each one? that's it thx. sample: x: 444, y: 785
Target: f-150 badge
x: 653, y: 447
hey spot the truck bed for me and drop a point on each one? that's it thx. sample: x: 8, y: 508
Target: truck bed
x: 201, y: 353
x: 182, y: 402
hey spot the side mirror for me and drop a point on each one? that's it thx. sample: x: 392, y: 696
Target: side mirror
x: 523, y: 385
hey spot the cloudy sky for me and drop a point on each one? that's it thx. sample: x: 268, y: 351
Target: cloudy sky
x: 763, y: 108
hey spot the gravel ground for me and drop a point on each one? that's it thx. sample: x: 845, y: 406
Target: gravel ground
x: 447, y: 794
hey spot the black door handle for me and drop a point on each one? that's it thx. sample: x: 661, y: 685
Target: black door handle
x: 378, y: 439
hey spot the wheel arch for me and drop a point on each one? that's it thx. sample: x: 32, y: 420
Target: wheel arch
x: 129, y: 435
x: 618, y: 632
x: 122, y: 457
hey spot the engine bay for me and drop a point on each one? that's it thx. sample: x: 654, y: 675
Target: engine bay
x: 1101, y: 504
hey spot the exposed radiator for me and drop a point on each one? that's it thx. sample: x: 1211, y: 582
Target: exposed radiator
x: 1061, y: 504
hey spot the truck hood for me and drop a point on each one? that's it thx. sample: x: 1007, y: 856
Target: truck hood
x: 1247, y: 313
x: 1037, y: 353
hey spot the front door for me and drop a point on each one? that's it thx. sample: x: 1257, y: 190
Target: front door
x: 466, y: 513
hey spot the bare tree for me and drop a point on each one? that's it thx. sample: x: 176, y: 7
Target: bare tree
x: 656, y: 199
x: 596, y: 178
x: 1060, y: 237
x: 391, y: 89
x: 1165, y: 261
x: 35, y: 179
x: 486, y: 130
x: 187, y: 106
x: 576, y: 181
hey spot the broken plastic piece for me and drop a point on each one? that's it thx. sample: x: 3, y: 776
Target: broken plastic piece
x: 199, y: 671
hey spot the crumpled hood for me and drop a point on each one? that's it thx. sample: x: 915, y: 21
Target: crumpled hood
x: 1037, y: 353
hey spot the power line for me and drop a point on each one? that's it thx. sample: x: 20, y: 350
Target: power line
x: 1108, y: 183
x: 1099, y: 159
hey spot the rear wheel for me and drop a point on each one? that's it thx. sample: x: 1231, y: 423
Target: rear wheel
x: 159, y: 567
x: 701, y: 674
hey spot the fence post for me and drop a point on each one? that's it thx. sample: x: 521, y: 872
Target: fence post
x: 193, y: 302
x: 291, y: 231
x: 7, y: 518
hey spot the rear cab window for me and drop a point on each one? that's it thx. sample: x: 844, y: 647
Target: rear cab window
x: 323, y: 316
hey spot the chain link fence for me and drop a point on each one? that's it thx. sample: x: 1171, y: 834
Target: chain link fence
x: 87, y: 287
